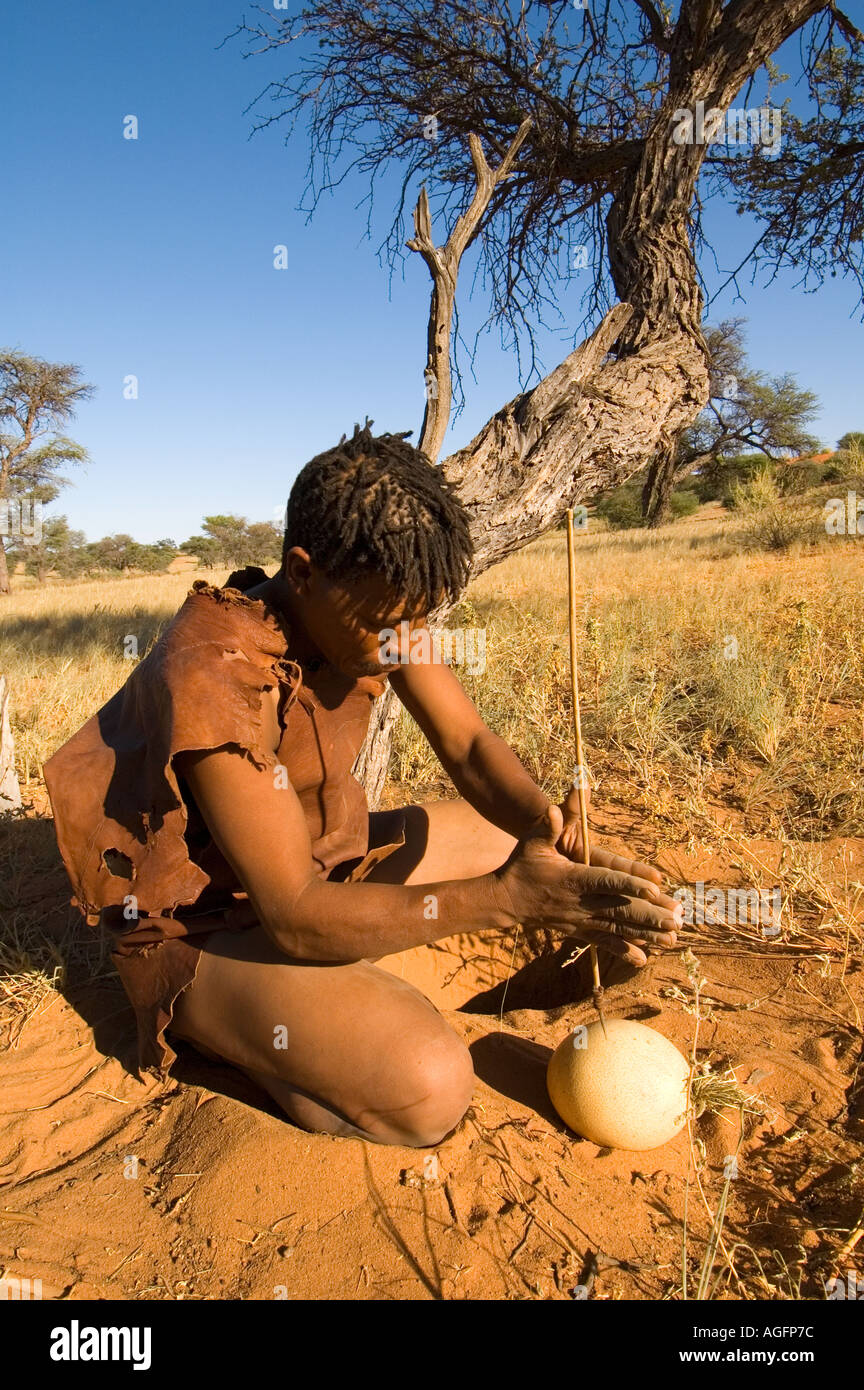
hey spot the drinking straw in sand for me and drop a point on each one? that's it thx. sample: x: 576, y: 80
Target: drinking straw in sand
x: 597, y: 990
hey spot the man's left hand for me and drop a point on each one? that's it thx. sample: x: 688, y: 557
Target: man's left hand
x: 570, y: 844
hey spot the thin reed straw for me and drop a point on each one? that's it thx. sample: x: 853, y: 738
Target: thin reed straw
x: 597, y: 991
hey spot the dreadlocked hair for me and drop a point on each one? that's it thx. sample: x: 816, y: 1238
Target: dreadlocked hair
x: 377, y: 505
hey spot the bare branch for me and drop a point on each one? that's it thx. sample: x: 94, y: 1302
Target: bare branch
x: 657, y: 28
x: 443, y: 263
x: 845, y: 25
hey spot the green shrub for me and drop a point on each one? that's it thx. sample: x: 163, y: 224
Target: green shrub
x: 847, y: 466
x: 760, y: 490
x: 795, y: 478
x: 683, y: 503
x: 775, y: 521
x: 715, y: 480
x: 622, y: 507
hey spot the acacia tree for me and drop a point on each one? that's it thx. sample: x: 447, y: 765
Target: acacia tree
x: 36, y: 398
x: 746, y: 410
x: 578, y: 113
x: 232, y: 540
x: 57, y: 549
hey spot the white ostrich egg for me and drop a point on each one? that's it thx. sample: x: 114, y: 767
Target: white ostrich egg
x: 623, y: 1089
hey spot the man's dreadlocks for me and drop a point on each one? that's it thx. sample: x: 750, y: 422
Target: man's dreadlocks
x: 377, y: 505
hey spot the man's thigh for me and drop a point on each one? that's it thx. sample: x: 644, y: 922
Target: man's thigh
x: 443, y: 840
x: 355, y: 1036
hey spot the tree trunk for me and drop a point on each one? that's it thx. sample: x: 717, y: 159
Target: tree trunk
x: 657, y: 492
x: 373, y: 760
x: 4, y: 569
x: 10, y: 794
x: 663, y: 477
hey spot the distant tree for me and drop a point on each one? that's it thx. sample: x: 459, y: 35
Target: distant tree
x: 154, y: 558
x: 36, y: 398
x: 851, y: 440
x: 207, y: 550
x: 232, y: 540
x: 114, y: 552
x: 59, y: 548
x: 66, y: 552
x: 231, y: 535
x: 745, y: 409
x: 264, y: 543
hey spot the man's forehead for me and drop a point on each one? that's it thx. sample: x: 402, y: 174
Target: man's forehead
x: 375, y: 593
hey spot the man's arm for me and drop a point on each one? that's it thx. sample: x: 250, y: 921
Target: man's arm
x: 488, y: 773
x: 483, y: 768
x: 261, y: 830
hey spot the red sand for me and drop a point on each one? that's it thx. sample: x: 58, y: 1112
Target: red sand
x: 232, y: 1201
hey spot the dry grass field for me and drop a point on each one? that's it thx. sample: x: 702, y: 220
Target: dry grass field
x: 722, y: 691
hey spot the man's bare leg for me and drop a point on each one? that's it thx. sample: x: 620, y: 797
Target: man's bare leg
x: 363, y: 1052
x: 344, y: 1048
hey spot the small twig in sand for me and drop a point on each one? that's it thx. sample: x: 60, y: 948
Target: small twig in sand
x: 454, y: 1210
x: 133, y: 1255
x: 849, y: 1245
x: 525, y: 1234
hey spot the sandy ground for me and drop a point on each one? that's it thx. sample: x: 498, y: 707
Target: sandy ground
x: 115, y: 1188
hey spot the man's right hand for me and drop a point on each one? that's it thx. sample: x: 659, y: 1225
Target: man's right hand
x: 599, y: 905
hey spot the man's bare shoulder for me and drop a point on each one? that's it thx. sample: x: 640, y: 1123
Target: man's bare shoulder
x: 271, y: 729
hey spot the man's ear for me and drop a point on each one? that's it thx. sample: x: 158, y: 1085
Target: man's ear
x: 297, y: 569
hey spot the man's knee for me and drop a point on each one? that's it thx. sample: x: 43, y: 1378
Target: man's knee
x: 435, y: 1088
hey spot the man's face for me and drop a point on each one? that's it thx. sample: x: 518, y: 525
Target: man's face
x: 346, y: 618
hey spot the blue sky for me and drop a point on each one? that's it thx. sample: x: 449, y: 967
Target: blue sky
x: 154, y: 257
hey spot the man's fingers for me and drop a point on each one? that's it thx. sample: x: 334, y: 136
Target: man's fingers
x: 606, y: 879
x: 553, y: 825
x: 607, y: 859
x: 622, y: 950
x: 637, y: 931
